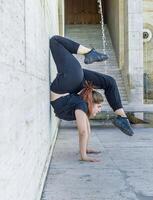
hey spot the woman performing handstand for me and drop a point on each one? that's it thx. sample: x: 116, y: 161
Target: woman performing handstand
x: 73, y: 91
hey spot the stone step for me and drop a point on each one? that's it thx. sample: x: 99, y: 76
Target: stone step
x: 107, y: 64
x: 123, y: 97
x: 110, y: 55
x: 121, y: 89
x: 115, y: 75
x: 110, y: 62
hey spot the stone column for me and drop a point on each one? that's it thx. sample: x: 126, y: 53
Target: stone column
x: 134, y: 49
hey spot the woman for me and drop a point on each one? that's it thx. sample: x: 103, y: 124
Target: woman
x: 73, y: 91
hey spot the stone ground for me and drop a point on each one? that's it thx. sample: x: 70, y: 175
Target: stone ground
x: 125, y: 171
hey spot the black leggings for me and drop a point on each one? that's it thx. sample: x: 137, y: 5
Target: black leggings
x: 71, y: 77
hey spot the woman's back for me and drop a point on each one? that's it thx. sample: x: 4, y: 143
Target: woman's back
x: 54, y: 96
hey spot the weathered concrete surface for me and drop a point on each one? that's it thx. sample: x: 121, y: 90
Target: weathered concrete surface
x: 26, y: 132
x: 124, y: 173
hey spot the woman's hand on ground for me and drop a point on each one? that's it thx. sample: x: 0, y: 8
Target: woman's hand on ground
x: 89, y: 159
x: 92, y: 151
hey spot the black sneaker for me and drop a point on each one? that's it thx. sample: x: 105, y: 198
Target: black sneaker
x: 123, y: 124
x: 94, y: 56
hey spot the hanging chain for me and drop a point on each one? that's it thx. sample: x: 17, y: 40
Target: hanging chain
x: 100, y: 11
x: 104, y: 42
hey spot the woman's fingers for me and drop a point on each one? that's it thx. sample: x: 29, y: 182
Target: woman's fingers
x: 92, y: 151
x: 95, y: 160
x: 89, y: 159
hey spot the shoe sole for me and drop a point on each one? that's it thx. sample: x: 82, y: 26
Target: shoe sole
x: 123, y: 130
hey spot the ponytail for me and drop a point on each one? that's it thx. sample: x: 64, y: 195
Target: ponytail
x: 86, y: 94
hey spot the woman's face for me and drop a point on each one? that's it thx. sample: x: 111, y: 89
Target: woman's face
x: 96, y: 108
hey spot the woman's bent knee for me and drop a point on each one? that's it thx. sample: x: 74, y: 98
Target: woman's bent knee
x: 53, y: 39
x: 111, y: 81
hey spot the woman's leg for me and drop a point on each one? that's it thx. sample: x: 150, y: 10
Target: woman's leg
x: 120, y: 112
x: 70, y: 73
x: 83, y: 50
x: 108, y: 84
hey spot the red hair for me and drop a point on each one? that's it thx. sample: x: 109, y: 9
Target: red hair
x: 86, y: 94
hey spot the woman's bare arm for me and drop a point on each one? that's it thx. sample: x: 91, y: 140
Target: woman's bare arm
x: 81, y: 119
x: 89, y: 132
x: 90, y: 150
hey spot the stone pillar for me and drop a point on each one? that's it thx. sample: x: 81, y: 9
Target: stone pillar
x: 134, y: 49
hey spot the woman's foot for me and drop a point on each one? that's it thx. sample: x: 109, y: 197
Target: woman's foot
x: 123, y: 124
x: 94, y: 56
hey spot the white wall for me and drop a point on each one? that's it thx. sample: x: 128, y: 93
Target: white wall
x: 112, y: 20
x: 26, y: 138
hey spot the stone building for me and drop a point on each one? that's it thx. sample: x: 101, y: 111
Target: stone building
x: 28, y: 125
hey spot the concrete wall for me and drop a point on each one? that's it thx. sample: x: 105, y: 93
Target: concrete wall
x: 133, y: 50
x: 114, y: 13
x: 27, y: 134
x: 125, y: 23
x: 148, y: 51
x: 112, y: 21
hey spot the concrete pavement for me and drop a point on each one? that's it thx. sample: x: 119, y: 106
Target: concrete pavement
x: 124, y: 173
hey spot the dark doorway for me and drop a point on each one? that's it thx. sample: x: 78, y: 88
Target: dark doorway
x: 81, y: 12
